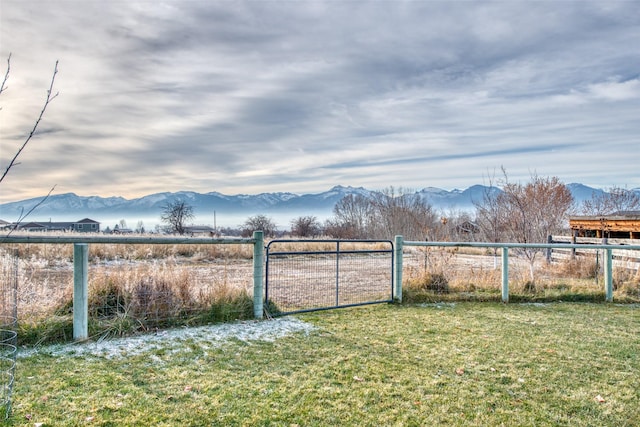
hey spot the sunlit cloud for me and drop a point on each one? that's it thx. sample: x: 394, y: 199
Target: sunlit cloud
x: 248, y: 97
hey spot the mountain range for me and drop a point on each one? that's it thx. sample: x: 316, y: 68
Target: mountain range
x: 232, y: 210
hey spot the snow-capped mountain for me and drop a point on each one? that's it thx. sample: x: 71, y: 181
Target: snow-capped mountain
x: 69, y: 206
x: 236, y: 208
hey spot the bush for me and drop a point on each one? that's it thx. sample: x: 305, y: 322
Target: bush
x: 432, y: 282
x: 435, y: 282
x: 578, y: 268
x: 125, y: 302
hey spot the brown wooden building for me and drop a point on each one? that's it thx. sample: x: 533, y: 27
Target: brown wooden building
x: 619, y: 225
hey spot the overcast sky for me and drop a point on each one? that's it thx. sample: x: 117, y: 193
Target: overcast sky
x: 299, y: 96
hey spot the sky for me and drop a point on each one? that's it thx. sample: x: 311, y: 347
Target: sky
x: 246, y: 97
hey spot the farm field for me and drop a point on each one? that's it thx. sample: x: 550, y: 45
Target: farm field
x: 464, y: 364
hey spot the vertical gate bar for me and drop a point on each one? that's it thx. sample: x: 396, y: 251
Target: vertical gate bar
x: 258, y: 274
x: 397, y: 264
x: 337, y: 273
x: 393, y: 283
x: 80, y: 291
x: 505, y: 274
x: 608, y: 274
x: 266, y: 273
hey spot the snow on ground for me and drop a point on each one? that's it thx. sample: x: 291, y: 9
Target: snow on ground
x: 178, y: 340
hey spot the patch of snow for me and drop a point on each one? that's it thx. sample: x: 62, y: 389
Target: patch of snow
x: 177, y: 340
x: 535, y: 304
x: 439, y: 304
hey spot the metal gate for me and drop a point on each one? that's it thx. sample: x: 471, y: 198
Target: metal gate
x: 308, y: 275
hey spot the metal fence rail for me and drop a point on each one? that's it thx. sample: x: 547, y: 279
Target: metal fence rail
x: 302, y: 275
x: 625, y: 258
x: 81, y: 269
x: 505, y: 250
x: 344, y: 295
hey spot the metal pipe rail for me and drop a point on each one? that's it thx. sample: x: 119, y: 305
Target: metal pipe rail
x: 173, y: 240
x: 81, y: 243
x: 81, y: 265
x: 608, y: 259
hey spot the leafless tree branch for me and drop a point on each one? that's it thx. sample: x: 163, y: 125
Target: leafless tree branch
x: 50, y: 97
x: 23, y: 215
x: 6, y: 76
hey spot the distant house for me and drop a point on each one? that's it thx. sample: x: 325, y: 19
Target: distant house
x: 85, y: 225
x: 199, y: 230
x: 122, y: 230
x: 619, y: 225
x: 467, y: 227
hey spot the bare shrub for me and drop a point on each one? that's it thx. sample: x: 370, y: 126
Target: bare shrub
x: 107, y: 298
x: 434, y: 282
x: 578, y: 268
x: 626, y: 281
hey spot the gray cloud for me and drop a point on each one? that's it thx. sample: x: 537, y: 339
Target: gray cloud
x: 243, y: 97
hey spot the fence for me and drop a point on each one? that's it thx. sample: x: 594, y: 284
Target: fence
x: 81, y: 270
x: 623, y: 258
x: 8, y: 335
x: 81, y: 264
x: 504, y: 251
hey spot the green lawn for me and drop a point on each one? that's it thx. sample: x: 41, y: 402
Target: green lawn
x: 384, y: 365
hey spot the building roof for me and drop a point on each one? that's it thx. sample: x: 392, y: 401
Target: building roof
x: 618, y: 222
x: 53, y: 225
x: 620, y: 215
x: 86, y: 221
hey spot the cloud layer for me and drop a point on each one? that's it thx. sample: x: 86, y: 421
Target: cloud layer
x: 248, y: 97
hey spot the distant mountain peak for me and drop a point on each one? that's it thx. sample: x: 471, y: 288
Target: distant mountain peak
x: 70, y: 206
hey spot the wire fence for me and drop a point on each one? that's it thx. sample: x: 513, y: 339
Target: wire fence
x: 476, y: 272
x: 8, y: 333
x: 141, y: 284
x: 130, y: 287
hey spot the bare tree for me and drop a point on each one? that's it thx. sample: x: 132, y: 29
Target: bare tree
x: 490, y: 218
x: 528, y: 213
x: 259, y: 223
x: 306, y: 226
x: 341, y: 230
x: 403, y: 212
x: 14, y: 160
x: 176, y: 214
x: 50, y: 97
x: 383, y: 214
x: 352, y: 217
x: 615, y: 199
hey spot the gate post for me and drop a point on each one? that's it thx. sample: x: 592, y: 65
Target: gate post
x: 80, y: 291
x: 505, y: 274
x: 397, y: 276
x: 258, y: 274
x: 608, y: 274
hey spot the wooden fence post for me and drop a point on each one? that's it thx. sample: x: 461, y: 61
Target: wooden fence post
x: 80, y: 291
x: 397, y: 274
x: 258, y: 274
